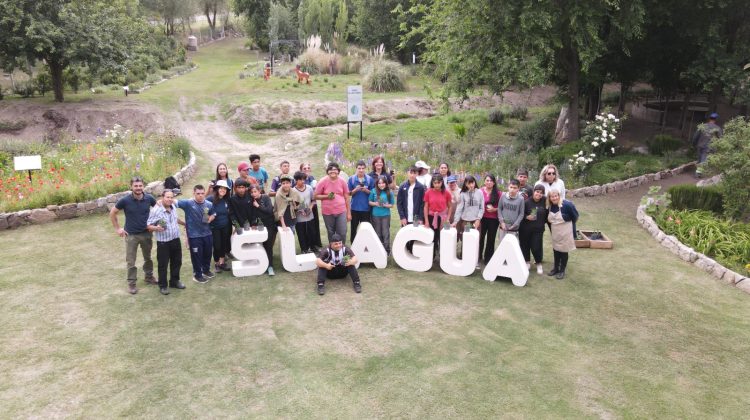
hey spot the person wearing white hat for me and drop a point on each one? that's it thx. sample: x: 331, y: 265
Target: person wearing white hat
x: 424, y: 176
x: 221, y: 226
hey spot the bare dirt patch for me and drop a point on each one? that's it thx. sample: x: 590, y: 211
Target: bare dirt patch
x: 84, y: 121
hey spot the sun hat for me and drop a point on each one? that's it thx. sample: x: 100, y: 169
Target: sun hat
x: 421, y: 165
x: 242, y: 166
x: 221, y: 183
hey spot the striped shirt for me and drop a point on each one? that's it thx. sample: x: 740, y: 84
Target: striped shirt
x: 171, y: 230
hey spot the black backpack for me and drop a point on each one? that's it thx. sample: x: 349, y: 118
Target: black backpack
x: 170, y: 183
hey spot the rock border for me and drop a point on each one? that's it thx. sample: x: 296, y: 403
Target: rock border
x: 629, y: 183
x: 701, y: 261
x: 53, y: 213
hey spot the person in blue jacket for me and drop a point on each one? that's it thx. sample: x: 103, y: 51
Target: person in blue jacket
x: 221, y: 226
x: 562, y: 217
x: 198, y: 215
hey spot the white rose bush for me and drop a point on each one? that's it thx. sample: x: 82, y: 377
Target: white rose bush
x: 599, y: 138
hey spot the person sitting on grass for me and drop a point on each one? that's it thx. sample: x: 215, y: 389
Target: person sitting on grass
x: 198, y: 214
x: 163, y: 221
x: 336, y: 262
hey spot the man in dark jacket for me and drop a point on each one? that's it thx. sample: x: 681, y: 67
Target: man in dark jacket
x: 239, y: 204
x: 410, y: 199
x: 703, y: 137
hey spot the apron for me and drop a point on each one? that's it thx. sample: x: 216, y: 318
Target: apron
x: 562, y: 233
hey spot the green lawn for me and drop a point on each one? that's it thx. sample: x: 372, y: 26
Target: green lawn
x: 632, y: 332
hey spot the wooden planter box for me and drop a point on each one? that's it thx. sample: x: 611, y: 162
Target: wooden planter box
x: 583, y: 243
x: 604, y: 243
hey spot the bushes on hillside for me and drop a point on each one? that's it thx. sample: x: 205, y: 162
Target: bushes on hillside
x: 383, y: 75
x: 537, y: 134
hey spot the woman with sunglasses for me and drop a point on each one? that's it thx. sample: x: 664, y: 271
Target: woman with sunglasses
x: 549, y: 177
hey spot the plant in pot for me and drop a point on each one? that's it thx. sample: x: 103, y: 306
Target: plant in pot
x: 260, y: 225
x: 205, y: 215
x: 331, y: 195
x: 533, y: 213
x: 238, y: 228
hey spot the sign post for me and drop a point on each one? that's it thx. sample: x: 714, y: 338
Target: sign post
x: 354, y: 108
x: 27, y: 163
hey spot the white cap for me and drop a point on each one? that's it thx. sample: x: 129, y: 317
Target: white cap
x: 421, y: 165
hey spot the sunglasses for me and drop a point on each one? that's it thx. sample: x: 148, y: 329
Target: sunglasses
x: 551, y: 173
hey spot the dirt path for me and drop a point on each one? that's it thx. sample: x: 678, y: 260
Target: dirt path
x: 630, y: 199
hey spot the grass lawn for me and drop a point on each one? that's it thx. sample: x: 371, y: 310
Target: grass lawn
x: 632, y: 332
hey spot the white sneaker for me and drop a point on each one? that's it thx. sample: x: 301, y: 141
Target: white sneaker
x: 270, y: 271
x: 539, y: 269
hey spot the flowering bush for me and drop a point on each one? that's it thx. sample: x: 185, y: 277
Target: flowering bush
x: 83, y: 171
x: 599, y: 139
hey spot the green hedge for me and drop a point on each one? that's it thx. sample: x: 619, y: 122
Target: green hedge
x: 663, y: 143
x: 691, y: 197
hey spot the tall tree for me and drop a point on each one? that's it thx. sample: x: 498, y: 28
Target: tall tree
x: 376, y: 22
x: 502, y: 42
x: 210, y: 8
x: 171, y: 11
x: 257, y: 13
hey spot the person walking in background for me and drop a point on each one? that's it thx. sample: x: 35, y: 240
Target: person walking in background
x: 360, y: 185
x: 284, y: 167
x: 437, y: 205
x: 382, y: 200
x: 333, y: 193
x: 531, y: 231
x: 261, y: 210
x: 550, y: 178
x: 315, y: 243
x: 163, y: 221
x: 222, y: 172
x: 562, y: 218
x: 136, y: 232
x: 490, y: 221
x: 198, y: 216
x: 336, y: 262
x: 259, y: 173
x: 305, y: 218
x: 702, y: 139
x: 221, y: 225
x: 511, y: 209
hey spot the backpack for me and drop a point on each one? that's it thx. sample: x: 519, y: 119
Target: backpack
x: 170, y: 183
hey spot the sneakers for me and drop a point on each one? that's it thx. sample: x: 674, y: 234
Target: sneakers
x: 539, y: 269
x: 209, y: 275
x: 357, y: 287
x: 178, y: 285
x: 560, y: 275
x: 270, y: 271
x: 200, y: 279
x: 321, y: 289
x: 132, y: 289
x: 552, y: 272
x: 150, y: 279
x: 163, y: 290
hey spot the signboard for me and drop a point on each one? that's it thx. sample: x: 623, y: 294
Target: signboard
x: 354, y: 104
x: 27, y: 163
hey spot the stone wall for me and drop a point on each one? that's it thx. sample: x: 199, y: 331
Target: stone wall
x: 100, y: 205
x: 628, y: 183
x: 688, y: 254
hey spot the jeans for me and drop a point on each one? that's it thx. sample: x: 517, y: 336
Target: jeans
x: 222, y: 241
x: 382, y: 225
x: 531, y: 243
x: 169, y: 254
x: 357, y: 218
x: 132, y: 242
x: 200, y: 254
x: 338, y: 272
x: 335, y: 223
x: 702, y: 154
x: 488, y: 231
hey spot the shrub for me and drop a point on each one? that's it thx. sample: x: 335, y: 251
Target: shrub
x: 455, y: 119
x: 459, y: 130
x: 382, y: 75
x: 518, y: 112
x: 333, y: 85
x: 17, y: 125
x: 325, y: 80
x: 402, y: 116
x: 496, y: 116
x: 24, y: 89
x: 153, y: 78
x: 663, y: 143
x: 135, y: 87
x: 692, y: 197
x: 731, y: 158
x: 559, y: 154
x: 537, y: 134
x: 42, y: 82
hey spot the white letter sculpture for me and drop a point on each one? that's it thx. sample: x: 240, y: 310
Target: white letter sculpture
x: 248, y: 249
x: 469, y: 254
x: 368, y: 248
x: 420, y: 259
x: 292, y: 262
x: 507, y: 261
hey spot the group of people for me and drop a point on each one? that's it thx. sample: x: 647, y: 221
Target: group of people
x: 290, y: 200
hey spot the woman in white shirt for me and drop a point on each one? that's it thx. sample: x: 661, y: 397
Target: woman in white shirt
x: 550, y: 180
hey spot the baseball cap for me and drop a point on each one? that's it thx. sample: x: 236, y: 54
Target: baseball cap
x: 714, y: 116
x: 452, y: 178
x: 243, y: 165
x: 421, y: 165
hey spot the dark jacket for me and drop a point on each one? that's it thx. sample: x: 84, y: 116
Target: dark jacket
x: 569, y: 213
x: 239, y: 209
x: 541, y: 215
x: 402, y: 197
x: 264, y: 212
x: 221, y: 212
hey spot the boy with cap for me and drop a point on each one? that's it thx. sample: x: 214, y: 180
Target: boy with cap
x: 276, y: 182
x: 286, y: 202
x: 423, y: 175
x: 336, y: 262
x: 243, y: 168
x: 452, y: 182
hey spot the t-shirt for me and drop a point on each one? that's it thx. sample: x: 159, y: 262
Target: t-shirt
x: 276, y: 183
x: 439, y: 201
x: 196, y: 227
x: 136, y: 212
x: 360, y: 199
x: 221, y: 210
x: 410, y: 203
x: 261, y: 175
x: 307, y: 199
x: 335, y: 257
x: 379, y: 211
x: 340, y: 190
x: 490, y: 214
